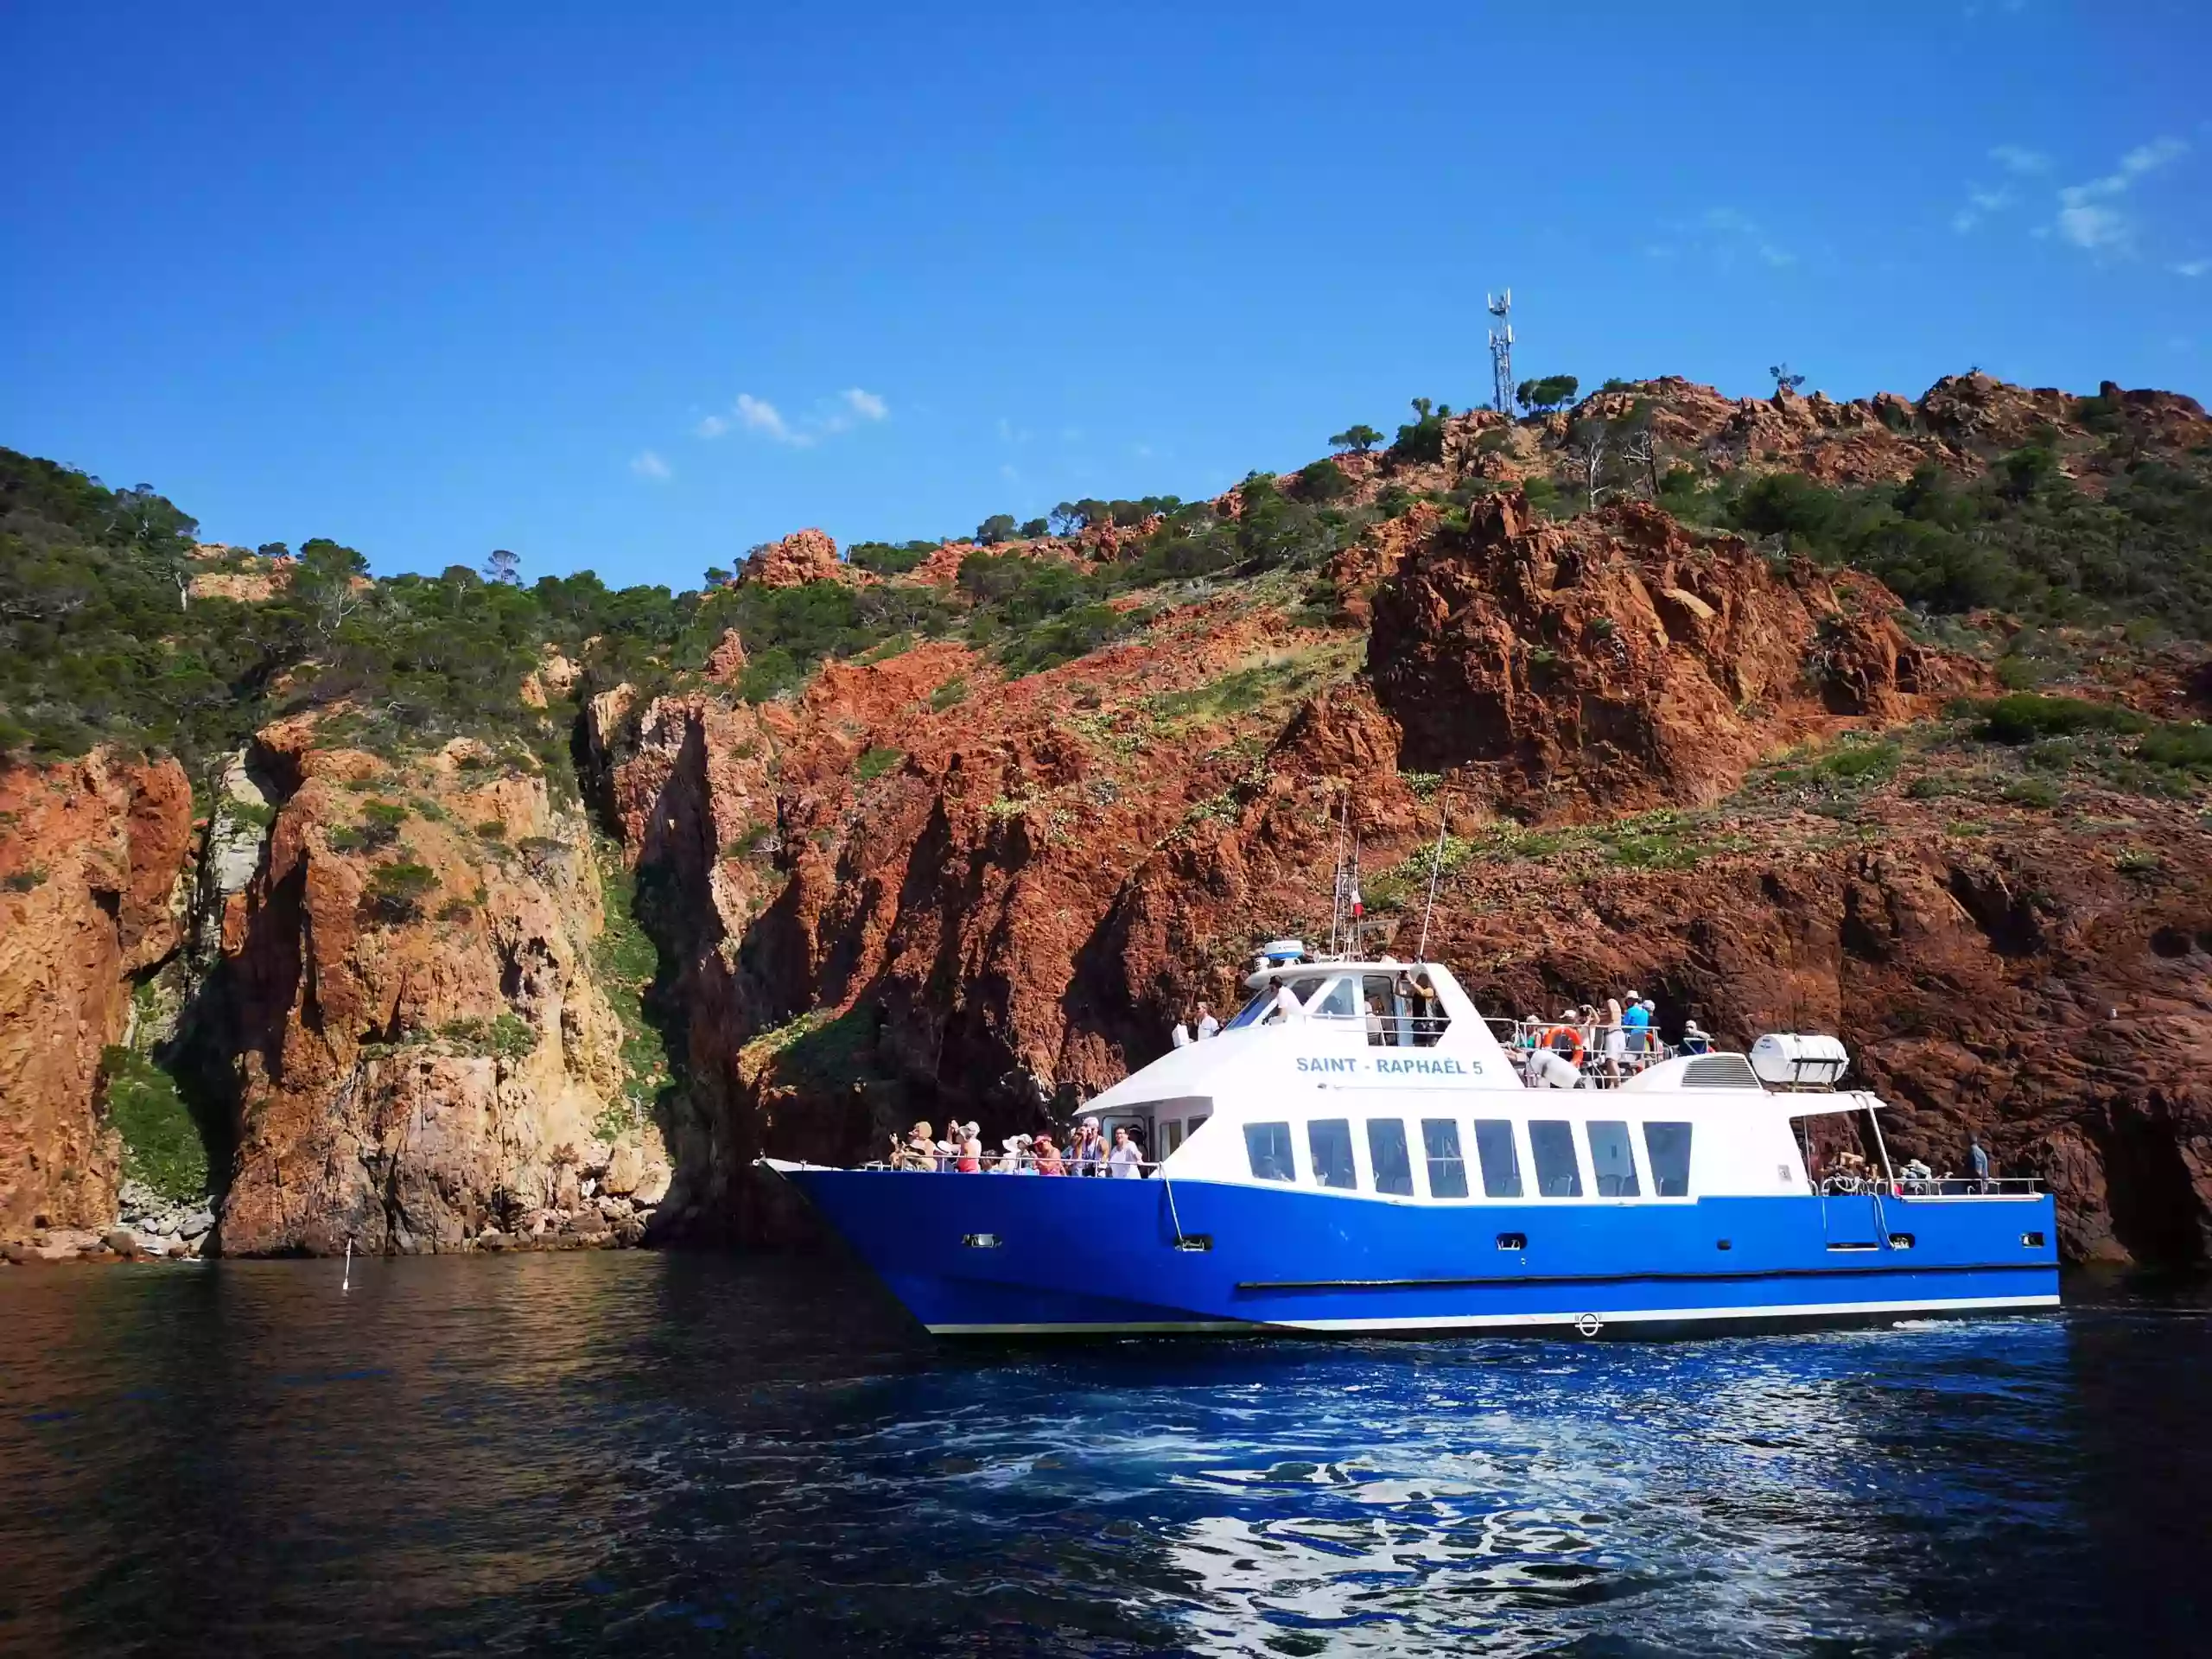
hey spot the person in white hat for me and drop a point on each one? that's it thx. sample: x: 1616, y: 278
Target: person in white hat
x: 1635, y: 1020
x: 1695, y: 1039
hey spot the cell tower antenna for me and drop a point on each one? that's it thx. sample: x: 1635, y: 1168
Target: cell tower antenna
x: 1500, y: 351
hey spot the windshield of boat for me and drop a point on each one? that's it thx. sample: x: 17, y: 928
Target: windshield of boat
x: 1252, y: 1010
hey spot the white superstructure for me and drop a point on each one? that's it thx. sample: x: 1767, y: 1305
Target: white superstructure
x: 1435, y: 1108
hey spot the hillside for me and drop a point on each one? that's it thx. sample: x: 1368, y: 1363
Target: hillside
x: 443, y: 912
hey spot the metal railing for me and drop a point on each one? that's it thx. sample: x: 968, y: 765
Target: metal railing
x: 1605, y: 1055
x: 1854, y: 1183
x: 1008, y: 1163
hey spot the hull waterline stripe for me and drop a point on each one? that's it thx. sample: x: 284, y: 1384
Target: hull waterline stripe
x: 1494, y: 1321
x: 1515, y: 1280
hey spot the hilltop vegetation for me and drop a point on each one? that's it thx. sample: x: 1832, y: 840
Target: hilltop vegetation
x: 115, y: 626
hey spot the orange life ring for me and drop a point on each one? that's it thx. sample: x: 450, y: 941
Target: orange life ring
x: 1573, y: 1034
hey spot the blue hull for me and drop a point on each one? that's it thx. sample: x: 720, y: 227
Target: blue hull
x: 1005, y: 1256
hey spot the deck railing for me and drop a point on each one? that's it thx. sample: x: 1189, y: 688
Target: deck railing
x: 1852, y: 1183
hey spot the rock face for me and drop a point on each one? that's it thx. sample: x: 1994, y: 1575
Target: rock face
x: 422, y: 1053
x: 443, y: 1015
x: 90, y: 864
x: 1614, y: 662
x: 804, y: 555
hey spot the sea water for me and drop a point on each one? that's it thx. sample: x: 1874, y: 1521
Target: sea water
x: 650, y: 1453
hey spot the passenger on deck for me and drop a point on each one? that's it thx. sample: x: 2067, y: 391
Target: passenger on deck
x: 1015, y: 1160
x: 1127, y: 1159
x: 1284, y: 1009
x: 1978, y: 1160
x: 1695, y: 1040
x: 970, y: 1159
x: 1548, y: 1069
x: 1208, y: 1026
x: 1636, y: 1020
x: 1181, y: 1035
x: 918, y: 1153
x: 1377, y: 1023
x: 1089, y: 1153
x: 1047, y: 1156
x: 1617, y: 1042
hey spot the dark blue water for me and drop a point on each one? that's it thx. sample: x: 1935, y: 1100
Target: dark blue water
x: 656, y: 1454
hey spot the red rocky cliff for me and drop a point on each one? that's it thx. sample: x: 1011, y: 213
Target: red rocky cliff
x: 91, y: 854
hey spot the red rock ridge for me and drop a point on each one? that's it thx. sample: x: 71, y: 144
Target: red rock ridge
x: 91, y: 855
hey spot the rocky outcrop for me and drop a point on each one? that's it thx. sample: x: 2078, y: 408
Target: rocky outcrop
x: 91, y: 854
x: 804, y: 555
x: 424, y: 1056
x: 1617, y: 663
x: 2026, y: 987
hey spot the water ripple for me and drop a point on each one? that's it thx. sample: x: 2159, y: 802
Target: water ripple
x: 670, y: 1455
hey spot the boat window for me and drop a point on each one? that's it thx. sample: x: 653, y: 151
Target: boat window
x: 1192, y: 1127
x: 1386, y: 1151
x: 1552, y: 1142
x: 1251, y: 1011
x: 1329, y: 1139
x: 1613, y: 1160
x: 1501, y: 1163
x: 1174, y: 1134
x: 1341, y: 1003
x: 1268, y: 1145
x: 1447, y: 1171
x: 1668, y: 1145
x: 1387, y: 1023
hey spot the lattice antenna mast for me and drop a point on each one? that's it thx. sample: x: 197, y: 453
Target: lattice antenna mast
x: 1500, y: 351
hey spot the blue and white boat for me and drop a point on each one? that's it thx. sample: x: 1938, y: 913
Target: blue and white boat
x: 1358, y: 1152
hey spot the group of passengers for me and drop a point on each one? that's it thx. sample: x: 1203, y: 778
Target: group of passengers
x: 961, y: 1153
x: 1588, y: 1046
x: 1187, y: 1032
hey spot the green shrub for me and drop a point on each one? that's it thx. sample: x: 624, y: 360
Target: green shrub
x: 396, y: 892
x: 1861, y: 761
x: 875, y: 761
x: 2180, y: 748
x: 2023, y: 716
x: 950, y: 695
x: 1323, y: 480
x: 23, y: 880
x: 492, y: 828
x: 161, y: 1144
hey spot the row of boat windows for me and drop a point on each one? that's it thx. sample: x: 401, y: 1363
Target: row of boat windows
x: 1498, y: 1157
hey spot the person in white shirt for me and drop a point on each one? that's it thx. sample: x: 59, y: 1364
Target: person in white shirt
x: 1548, y: 1069
x: 1181, y: 1035
x: 1127, y: 1158
x: 1208, y: 1026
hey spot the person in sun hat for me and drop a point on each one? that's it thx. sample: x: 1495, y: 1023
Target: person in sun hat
x: 1047, y: 1156
x: 1636, y: 1022
x: 1695, y: 1039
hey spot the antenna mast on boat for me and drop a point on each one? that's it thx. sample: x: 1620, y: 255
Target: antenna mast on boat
x: 1435, y: 869
x: 1336, y: 900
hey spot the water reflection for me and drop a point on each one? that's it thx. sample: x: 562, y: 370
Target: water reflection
x: 668, y: 1453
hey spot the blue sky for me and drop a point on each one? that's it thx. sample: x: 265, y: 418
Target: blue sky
x: 634, y: 287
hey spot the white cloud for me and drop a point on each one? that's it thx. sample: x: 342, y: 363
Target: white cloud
x: 829, y: 415
x: 2145, y: 158
x: 1981, y: 203
x: 2016, y: 158
x: 647, y: 464
x: 1731, y: 235
x: 758, y: 415
x: 2107, y: 229
x: 2088, y: 226
x: 2192, y: 267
